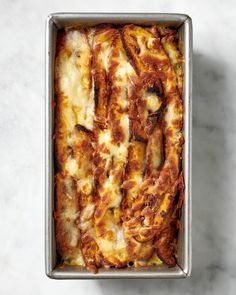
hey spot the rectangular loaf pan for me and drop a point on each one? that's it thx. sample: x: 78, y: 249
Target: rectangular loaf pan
x: 183, y: 23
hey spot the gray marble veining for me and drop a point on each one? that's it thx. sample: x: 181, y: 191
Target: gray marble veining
x: 22, y: 25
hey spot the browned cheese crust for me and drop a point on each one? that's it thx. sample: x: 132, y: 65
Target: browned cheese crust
x: 118, y: 146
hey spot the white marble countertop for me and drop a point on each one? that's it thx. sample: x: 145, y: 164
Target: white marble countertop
x: 22, y: 29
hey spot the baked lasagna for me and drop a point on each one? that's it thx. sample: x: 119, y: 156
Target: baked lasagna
x: 118, y: 146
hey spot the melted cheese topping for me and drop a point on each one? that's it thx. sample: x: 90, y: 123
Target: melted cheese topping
x: 153, y: 102
x: 110, y: 236
x: 118, y: 143
x: 74, y: 80
x: 72, y: 167
x: 169, y: 42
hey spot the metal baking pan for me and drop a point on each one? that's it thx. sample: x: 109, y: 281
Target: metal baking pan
x: 183, y: 23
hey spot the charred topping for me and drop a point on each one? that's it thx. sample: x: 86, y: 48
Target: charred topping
x: 82, y: 128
